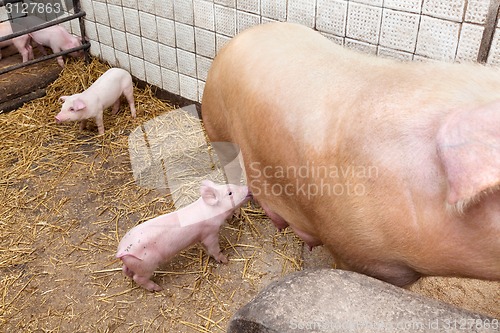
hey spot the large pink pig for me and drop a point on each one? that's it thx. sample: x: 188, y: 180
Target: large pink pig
x: 394, y: 166
x: 104, y: 92
x: 22, y: 43
x: 158, y: 240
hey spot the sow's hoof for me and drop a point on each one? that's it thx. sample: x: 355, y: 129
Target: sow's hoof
x: 328, y: 300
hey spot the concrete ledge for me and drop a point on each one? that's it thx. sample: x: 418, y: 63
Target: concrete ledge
x: 328, y: 300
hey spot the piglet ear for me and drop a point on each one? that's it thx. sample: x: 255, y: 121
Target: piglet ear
x: 62, y: 99
x: 209, y: 193
x: 468, y: 144
x: 78, y: 104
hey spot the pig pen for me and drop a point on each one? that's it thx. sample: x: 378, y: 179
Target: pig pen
x: 70, y: 195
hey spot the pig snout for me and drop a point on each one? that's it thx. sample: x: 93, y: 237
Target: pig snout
x: 58, y: 120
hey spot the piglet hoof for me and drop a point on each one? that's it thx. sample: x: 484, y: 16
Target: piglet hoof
x: 151, y: 286
x: 222, y: 258
x: 155, y: 288
x: 127, y: 272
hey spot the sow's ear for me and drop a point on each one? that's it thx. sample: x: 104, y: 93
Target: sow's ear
x: 209, y: 193
x: 468, y: 144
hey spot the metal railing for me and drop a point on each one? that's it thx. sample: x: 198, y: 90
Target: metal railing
x: 78, y: 14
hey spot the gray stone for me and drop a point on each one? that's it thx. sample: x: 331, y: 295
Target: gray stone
x: 329, y: 300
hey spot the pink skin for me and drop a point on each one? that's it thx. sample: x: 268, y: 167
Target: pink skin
x: 22, y: 43
x: 158, y: 240
x: 281, y: 224
x: 58, y: 39
x: 105, y: 91
x: 411, y: 150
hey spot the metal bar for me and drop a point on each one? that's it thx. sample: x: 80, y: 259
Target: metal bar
x: 489, y: 30
x: 47, y: 57
x: 42, y: 26
x: 77, y: 9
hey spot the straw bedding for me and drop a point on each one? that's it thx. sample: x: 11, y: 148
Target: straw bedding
x: 68, y: 196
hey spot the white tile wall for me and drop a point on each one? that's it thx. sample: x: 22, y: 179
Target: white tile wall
x: 390, y: 53
x: 226, y: 3
x: 399, y: 30
x: 445, y: 9
x: 377, y: 3
x: 202, y: 67
x: 147, y: 6
x: 184, y: 37
x: 122, y: 60
x: 127, y: 3
x: 412, y: 6
x: 171, y: 43
x: 153, y: 74
x: 302, y: 11
x: 437, y: 38
x: 363, y: 22
x: 204, y: 14
x: 108, y: 53
x: 205, y: 42
x: 183, y: 11
x: 494, y: 56
x: 332, y: 16
x: 170, y: 80
x: 469, y: 42
x: 225, y: 20
x: 274, y: 9
x: 188, y: 87
x: 101, y: 12
x: 137, y: 67
x: 164, y: 9
x: 104, y: 34
x: 116, y: 19
x: 119, y: 40
x: 166, y: 31
x: 151, y: 51
x: 168, y: 57
x: 246, y: 20
x: 252, y: 6
x: 3, y: 14
x: 134, y: 44
x: 476, y: 11
x: 131, y: 21
x: 148, y: 26
x: 186, y: 62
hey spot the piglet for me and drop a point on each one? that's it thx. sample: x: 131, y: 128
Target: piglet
x: 58, y: 39
x: 22, y: 43
x: 158, y: 240
x: 104, y: 92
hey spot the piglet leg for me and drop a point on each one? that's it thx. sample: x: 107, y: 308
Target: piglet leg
x: 116, y: 107
x: 83, y: 124
x: 211, y: 243
x: 100, y: 123
x: 140, y: 271
x: 146, y: 283
x: 128, y: 92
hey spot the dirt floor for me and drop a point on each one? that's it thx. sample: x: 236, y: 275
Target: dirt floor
x: 68, y: 196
